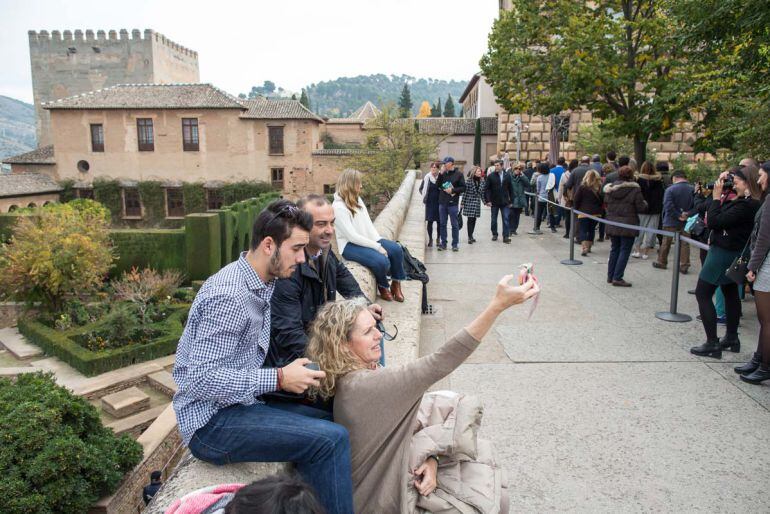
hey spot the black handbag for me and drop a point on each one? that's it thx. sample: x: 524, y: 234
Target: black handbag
x: 739, y: 267
x: 460, y: 218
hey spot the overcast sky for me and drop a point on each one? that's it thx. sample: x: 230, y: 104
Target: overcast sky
x: 291, y: 42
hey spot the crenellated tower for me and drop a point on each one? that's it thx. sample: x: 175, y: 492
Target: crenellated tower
x: 69, y: 63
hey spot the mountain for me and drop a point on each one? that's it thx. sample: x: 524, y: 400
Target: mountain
x: 17, y: 127
x: 341, y: 97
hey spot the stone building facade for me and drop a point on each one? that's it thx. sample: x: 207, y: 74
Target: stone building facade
x: 70, y: 63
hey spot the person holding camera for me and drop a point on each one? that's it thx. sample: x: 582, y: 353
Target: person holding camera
x: 451, y: 186
x: 385, y: 412
x: 757, y: 370
x: 731, y: 221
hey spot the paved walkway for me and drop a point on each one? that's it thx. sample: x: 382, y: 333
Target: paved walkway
x: 593, y: 404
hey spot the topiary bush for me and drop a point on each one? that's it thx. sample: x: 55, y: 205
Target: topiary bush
x: 56, y: 456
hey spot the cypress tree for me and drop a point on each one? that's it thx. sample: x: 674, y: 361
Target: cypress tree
x: 449, y: 107
x: 405, y: 102
x: 477, y: 143
x: 304, y: 99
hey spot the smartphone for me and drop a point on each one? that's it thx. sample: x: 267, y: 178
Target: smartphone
x: 526, y: 271
x: 313, y: 365
x: 446, y: 185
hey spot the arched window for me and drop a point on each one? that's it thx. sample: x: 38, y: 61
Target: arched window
x: 32, y: 205
x: 13, y: 208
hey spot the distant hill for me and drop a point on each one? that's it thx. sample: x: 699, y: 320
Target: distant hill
x: 17, y: 127
x: 340, y: 97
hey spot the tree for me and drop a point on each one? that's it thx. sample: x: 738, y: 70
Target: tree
x: 394, y: 144
x: 435, y: 111
x: 727, y: 46
x: 425, y: 110
x: 405, y: 102
x: 617, y: 58
x: 63, y: 251
x: 449, y: 107
x: 294, y: 96
x: 56, y: 455
x: 304, y: 100
x: 477, y: 143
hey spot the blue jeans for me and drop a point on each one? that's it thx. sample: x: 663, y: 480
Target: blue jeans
x: 619, y: 254
x: 449, y: 211
x: 587, y: 229
x: 506, y: 213
x: 259, y: 433
x: 380, y: 265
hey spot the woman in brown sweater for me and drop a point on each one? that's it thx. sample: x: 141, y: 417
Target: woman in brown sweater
x: 379, y: 405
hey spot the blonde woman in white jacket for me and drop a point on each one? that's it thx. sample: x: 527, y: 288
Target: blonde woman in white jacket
x: 358, y: 240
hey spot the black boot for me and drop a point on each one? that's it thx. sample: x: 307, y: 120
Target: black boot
x: 731, y: 342
x: 710, y: 348
x: 751, y: 366
x: 758, y: 376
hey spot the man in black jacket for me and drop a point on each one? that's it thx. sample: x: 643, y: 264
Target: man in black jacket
x: 497, y: 195
x: 297, y: 299
x: 451, y: 184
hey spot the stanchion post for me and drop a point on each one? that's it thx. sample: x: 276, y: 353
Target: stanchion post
x: 572, y: 261
x: 535, y: 230
x: 672, y: 315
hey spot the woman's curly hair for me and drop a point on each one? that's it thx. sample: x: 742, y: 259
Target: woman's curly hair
x: 328, y: 346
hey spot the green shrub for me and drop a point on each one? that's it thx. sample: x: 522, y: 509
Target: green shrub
x: 160, y: 249
x: 65, y: 345
x: 62, y: 251
x: 56, y: 456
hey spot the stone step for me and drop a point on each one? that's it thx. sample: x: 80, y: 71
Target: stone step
x: 16, y: 343
x: 137, y: 423
x: 126, y: 402
x: 163, y: 382
x: 18, y: 370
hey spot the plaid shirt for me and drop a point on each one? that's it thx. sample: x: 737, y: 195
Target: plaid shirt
x: 220, y: 355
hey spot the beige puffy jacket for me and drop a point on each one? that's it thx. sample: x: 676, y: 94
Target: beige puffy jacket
x: 470, y: 481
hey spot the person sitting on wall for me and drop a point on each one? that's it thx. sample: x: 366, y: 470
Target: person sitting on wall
x: 359, y: 241
x: 150, y: 489
x: 221, y: 376
x: 297, y: 299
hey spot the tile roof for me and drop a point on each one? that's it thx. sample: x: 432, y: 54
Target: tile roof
x: 342, y: 151
x: 22, y: 184
x: 150, y: 96
x: 455, y: 126
x: 277, y: 109
x: 41, y: 155
x: 363, y: 113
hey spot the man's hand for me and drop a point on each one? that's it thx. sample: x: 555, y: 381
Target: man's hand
x: 426, y: 474
x: 297, y: 378
x: 376, y: 311
x: 488, y: 204
x: 382, y: 251
x: 751, y: 276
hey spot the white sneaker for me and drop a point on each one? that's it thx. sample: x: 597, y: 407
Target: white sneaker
x: 645, y: 256
x: 636, y: 255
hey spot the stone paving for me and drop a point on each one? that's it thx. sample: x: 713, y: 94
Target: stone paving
x: 594, y: 405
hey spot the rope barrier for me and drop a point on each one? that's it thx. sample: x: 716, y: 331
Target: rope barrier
x: 671, y: 314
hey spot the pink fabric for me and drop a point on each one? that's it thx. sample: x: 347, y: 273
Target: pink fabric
x: 200, y: 500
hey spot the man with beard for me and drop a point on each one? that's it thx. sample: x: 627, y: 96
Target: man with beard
x: 297, y: 299
x: 221, y: 376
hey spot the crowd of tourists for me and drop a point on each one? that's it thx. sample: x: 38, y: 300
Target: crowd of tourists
x: 273, y: 367
x: 627, y: 203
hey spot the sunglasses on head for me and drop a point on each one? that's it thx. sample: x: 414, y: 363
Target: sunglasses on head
x: 287, y: 209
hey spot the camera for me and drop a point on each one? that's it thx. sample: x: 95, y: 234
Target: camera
x: 726, y: 185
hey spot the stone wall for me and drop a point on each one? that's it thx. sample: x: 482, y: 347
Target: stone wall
x: 536, y: 134
x: 401, y: 219
x: 66, y: 63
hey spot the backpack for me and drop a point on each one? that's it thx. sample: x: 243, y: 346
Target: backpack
x: 416, y: 270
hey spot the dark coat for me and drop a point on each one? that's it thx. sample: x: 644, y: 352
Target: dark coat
x: 457, y: 180
x: 499, y: 190
x: 624, y: 204
x: 519, y: 185
x: 431, y: 201
x: 474, y: 192
x: 732, y: 222
x: 576, y: 178
x: 296, y: 300
x: 652, y: 191
x: 588, y: 201
x: 677, y: 199
x: 760, y: 238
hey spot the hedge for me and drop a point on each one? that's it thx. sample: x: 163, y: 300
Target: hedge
x: 202, y: 240
x: 159, y: 249
x: 90, y: 363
